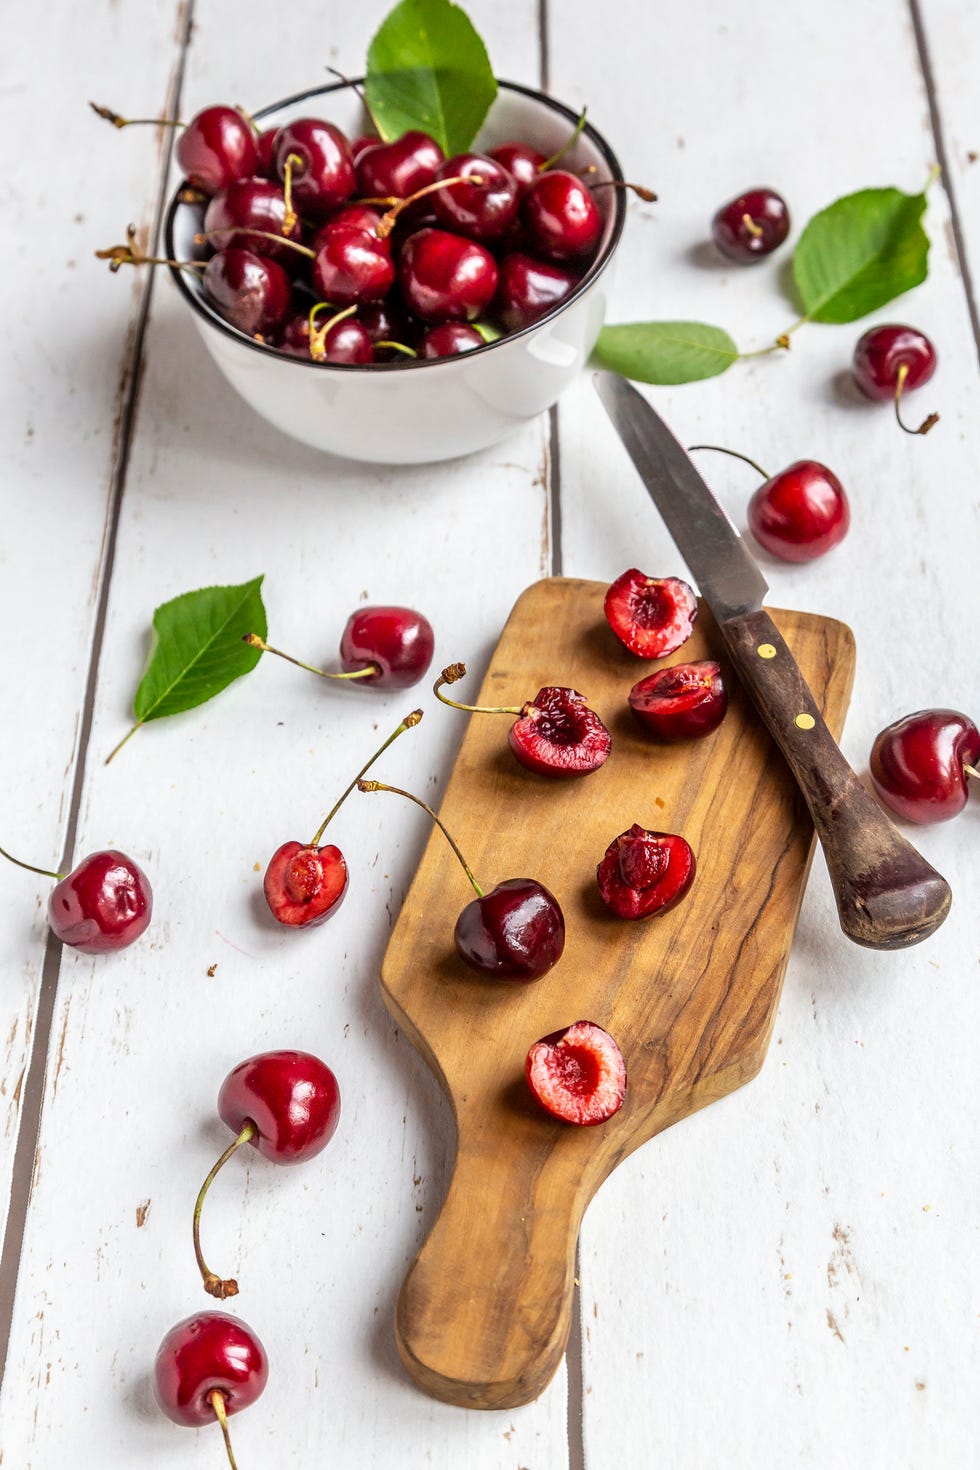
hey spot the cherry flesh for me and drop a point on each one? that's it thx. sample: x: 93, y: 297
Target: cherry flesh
x: 216, y: 148
x: 651, y: 616
x: 352, y: 266
x: 921, y: 764
x: 208, y: 1367
x: 102, y: 905
x: 801, y: 513
x: 250, y: 291
x: 644, y: 873
x: 449, y: 339
x: 253, y: 204
x: 397, y: 641
x: 751, y: 226
x: 446, y: 278
x: 304, y: 884
x: 515, y: 931
x: 562, y: 219
x: 323, y: 177
x: 528, y: 289
x: 483, y: 209
x: 521, y: 161
x: 396, y: 170
x: 557, y: 734
x: 684, y: 702
x: 291, y: 1098
x: 578, y: 1074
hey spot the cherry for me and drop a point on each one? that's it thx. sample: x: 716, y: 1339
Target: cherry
x: 265, y: 147
x: 353, y: 216
x: 305, y: 884
x: 521, y: 161
x: 352, y: 266
x: 385, y: 321
x: 483, y: 209
x: 644, y: 873
x: 751, y: 226
x: 251, y: 292
x: 208, y: 1367
x: 341, y: 341
x: 528, y: 289
x: 103, y: 904
x: 449, y: 339
x: 651, y: 616
x: 555, y: 734
x: 314, y: 161
x: 562, y: 218
x: 256, y: 203
x: 384, y: 647
x: 360, y: 145
x: 515, y: 931
x: 684, y: 702
x: 892, y: 360
x: 800, y: 513
x: 217, y: 147
x: 578, y: 1074
x: 286, y: 1104
x: 446, y: 278
x: 395, y: 170
x: 920, y: 765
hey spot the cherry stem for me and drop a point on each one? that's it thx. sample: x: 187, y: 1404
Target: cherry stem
x: 454, y: 673
x: 968, y: 770
x: 206, y: 236
x: 750, y: 224
x: 358, y: 91
x: 318, y: 335
x: 720, y: 449
x: 398, y: 347
x: 388, y: 221
x: 927, y: 423
x: 134, y: 122
x: 213, y: 1284
x: 407, y: 723
x: 44, y: 872
x: 128, y: 736
x: 217, y: 1401
x: 368, y: 786
x: 647, y: 195
x: 255, y: 641
x: 569, y: 143
x: 131, y: 254
x: 293, y: 160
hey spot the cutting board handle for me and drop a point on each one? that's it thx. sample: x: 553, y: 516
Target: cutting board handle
x: 887, y: 895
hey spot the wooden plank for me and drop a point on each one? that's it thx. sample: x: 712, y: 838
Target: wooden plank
x: 785, y: 1276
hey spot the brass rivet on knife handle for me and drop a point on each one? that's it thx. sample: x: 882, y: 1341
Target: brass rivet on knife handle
x: 887, y: 895
x: 766, y: 650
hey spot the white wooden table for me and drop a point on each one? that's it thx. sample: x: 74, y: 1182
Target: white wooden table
x: 788, y: 1278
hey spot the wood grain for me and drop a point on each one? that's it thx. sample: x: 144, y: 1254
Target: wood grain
x: 484, y: 1313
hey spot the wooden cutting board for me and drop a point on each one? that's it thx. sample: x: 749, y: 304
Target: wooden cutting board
x: 691, y: 995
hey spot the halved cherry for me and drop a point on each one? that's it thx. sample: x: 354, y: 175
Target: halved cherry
x: 578, y: 1074
x: 644, y: 873
x: 651, y: 616
x: 683, y: 702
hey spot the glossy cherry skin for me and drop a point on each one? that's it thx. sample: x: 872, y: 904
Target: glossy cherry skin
x: 352, y: 266
x: 216, y: 147
x: 305, y: 885
x: 291, y: 1097
x: 918, y: 764
x: 684, y: 702
x: 751, y: 226
x: 253, y: 204
x: 324, y: 177
x: 516, y: 931
x: 483, y: 210
x: 397, y: 640
x: 265, y: 150
x: 651, y: 616
x: 558, y: 735
x: 800, y: 513
x: 347, y: 341
x: 248, y: 290
x: 353, y: 216
x: 396, y: 170
x: 529, y: 288
x: 521, y: 161
x: 644, y: 872
x: 577, y: 1074
x: 562, y: 219
x: 361, y: 145
x: 208, y: 1351
x: 294, y: 337
x: 386, y: 321
x: 449, y: 339
x: 103, y: 904
x: 883, y: 351
x: 446, y: 278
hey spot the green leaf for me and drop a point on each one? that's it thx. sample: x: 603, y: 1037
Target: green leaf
x: 428, y: 69
x: 859, y: 253
x: 666, y: 352
x: 198, y: 649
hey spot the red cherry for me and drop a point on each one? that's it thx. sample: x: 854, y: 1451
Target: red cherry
x: 291, y: 1098
x: 360, y: 145
x: 265, y: 146
x: 396, y: 170
x: 102, y: 905
x: 578, y: 1074
x: 323, y: 177
x: 398, y: 641
x: 352, y: 266
x: 483, y: 210
x: 651, y: 616
x: 890, y: 361
x: 208, y: 1367
x: 920, y: 765
x: 644, y: 873
x: 216, y: 147
x: 346, y: 341
x: 801, y: 513
x: 449, y: 339
x: 253, y: 204
x: 515, y: 931
x: 294, y: 337
x: 446, y: 278
x: 751, y: 226
x: 684, y: 702
x: 521, y: 161
x: 353, y: 216
x: 304, y: 885
x: 528, y: 289
x: 562, y: 218
x: 385, y: 321
x: 254, y: 294
x: 557, y: 734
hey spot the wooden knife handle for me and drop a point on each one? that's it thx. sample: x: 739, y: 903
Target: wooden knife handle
x: 887, y: 895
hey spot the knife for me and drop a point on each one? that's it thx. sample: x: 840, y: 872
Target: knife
x: 887, y: 895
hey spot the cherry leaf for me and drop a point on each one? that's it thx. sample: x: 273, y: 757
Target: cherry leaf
x: 665, y: 352
x: 859, y: 253
x: 428, y: 69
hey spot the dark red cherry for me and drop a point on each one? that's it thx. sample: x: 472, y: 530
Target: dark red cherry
x: 305, y: 885
x: 562, y: 219
x: 294, y: 337
x: 353, y: 216
x: 446, y: 278
x: 449, y: 339
x: 516, y: 931
x: 253, y: 204
x: 346, y: 341
x: 352, y: 266
x: 248, y: 290
x: 386, y: 321
x: 521, y: 161
x: 360, y: 145
x: 801, y: 513
x: 577, y: 1074
x: 751, y: 226
x: 216, y: 147
x: 265, y: 162
x: 207, y: 1354
x: 883, y: 352
x: 528, y: 289
x: 483, y: 209
x: 651, y: 616
x: 398, y: 641
x: 323, y: 178
x: 291, y: 1097
x: 644, y: 873
x: 557, y: 734
x: 921, y: 765
x: 684, y: 702
x: 395, y: 170
x: 103, y: 904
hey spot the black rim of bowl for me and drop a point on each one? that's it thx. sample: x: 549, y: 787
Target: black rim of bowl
x: 208, y: 314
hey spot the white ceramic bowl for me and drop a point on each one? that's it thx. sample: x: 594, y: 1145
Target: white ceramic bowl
x: 410, y: 412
